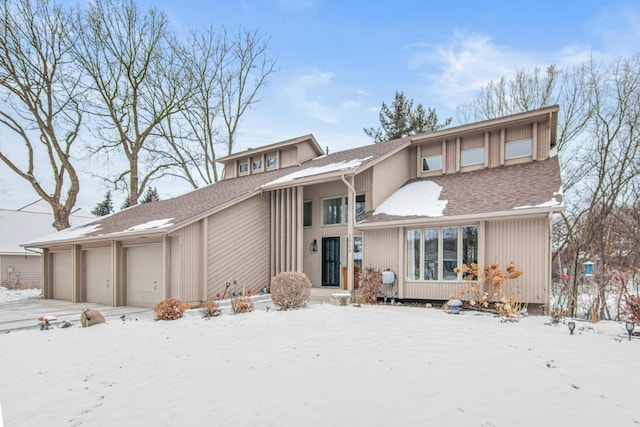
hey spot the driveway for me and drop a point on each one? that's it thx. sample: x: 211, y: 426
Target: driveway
x: 24, y: 314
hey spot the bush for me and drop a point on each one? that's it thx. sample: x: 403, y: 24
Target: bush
x: 170, y: 309
x: 242, y: 304
x: 368, y: 293
x: 290, y: 290
x: 211, y: 308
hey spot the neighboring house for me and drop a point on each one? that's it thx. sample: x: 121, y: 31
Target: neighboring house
x: 419, y: 206
x: 20, y: 268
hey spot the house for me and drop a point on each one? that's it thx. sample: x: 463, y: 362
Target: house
x: 419, y: 206
x: 20, y: 268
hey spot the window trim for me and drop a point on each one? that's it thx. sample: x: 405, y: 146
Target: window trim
x: 275, y: 161
x: 424, y: 158
x: 304, y: 203
x: 506, y: 144
x: 440, y: 259
x: 257, y: 162
x: 469, y: 150
x: 344, y: 206
x: 246, y: 165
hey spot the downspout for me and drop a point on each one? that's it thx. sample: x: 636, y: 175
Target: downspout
x: 350, y: 228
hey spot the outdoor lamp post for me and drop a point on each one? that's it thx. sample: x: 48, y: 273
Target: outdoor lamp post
x: 630, y: 327
x: 572, y: 326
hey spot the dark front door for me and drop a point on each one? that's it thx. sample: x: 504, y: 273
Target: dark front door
x: 331, y: 261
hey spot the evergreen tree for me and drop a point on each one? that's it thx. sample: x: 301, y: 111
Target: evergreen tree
x: 402, y: 120
x: 105, y: 207
x: 151, y: 195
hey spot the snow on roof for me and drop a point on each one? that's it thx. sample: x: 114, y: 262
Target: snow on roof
x: 28, y: 223
x: 159, y: 223
x: 318, y: 170
x: 68, y: 233
x: 420, y: 198
x: 547, y: 204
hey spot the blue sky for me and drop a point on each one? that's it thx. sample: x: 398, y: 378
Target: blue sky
x: 338, y: 60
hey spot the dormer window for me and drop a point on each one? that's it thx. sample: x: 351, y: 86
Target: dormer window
x: 472, y: 156
x: 257, y: 165
x: 515, y: 149
x: 244, y: 168
x: 432, y: 163
x: 272, y: 162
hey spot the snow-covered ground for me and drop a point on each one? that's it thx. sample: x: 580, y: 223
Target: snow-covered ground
x: 11, y: 295
x: 322, y: 366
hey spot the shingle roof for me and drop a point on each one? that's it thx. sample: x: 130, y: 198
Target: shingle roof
x: 513, y: 189
x: 181, y: 209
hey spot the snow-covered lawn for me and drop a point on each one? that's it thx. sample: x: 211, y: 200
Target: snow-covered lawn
x: 12, y: 295
x: 322, y: 366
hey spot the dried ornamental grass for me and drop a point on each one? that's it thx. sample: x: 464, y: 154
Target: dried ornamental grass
x: 170, y: 309
x: 242, y: 304
x: 211, y: 308
x: 368, y: 293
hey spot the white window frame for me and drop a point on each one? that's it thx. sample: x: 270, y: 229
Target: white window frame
x: 514, y: 143
x: 459, y: 253
x: 344, y: 206
x: 275, y: 161
x: 426, y: 159
x: 246, y: 168
x: 256, y: 165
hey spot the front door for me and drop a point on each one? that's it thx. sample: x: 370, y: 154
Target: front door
x: 331, y: 261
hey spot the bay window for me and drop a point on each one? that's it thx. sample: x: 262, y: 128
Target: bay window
x: 433, y: 254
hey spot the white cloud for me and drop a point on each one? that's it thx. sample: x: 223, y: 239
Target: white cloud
x: 298, y: 91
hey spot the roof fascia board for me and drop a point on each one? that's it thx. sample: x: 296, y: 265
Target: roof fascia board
x: 274, y: 146
x: 486, y: 124
x: 515, y: 213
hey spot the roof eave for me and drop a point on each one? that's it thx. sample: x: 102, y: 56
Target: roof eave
x: 512, y: 213
x: 118, y: 235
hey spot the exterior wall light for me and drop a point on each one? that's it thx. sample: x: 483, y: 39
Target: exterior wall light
x: 313, y: 247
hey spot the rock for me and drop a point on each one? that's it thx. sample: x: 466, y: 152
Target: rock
x: 91, y: 317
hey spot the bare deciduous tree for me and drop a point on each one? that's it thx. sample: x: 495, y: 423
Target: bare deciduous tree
x: 40, y: 101
x: 136, y: 80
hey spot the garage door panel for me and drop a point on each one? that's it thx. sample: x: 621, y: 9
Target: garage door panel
x: 99, y: 284
x: 144, y: 276
x: 62, y: 276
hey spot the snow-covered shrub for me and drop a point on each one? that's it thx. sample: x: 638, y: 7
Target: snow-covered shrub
x: 170, y: 309
x: 211, y: 308
x: 290, y: 290
x: 368, y: 292
x: 242, y: 304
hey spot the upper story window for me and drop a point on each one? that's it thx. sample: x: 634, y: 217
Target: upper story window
x: 272, y: 162
x: 432, y: 163
x: 244, y: 167
x: 472, y: 156
x: 307, y: 215
x: 515, y: 149
x: 257, y: 165
x: 335, y: 211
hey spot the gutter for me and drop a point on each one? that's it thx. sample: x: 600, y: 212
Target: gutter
x: 514, y: 213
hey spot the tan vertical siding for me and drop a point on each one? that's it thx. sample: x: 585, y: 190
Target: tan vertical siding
x: 472, y: 141
x: 288, y: 156
x: 238, y: 245
x: 26, y: 271
x: 431, y: 149
x: 452, y: 156
x: 543, y: 143
x: 185, y: 273
x: 518, y: 133
x: 379, y: 249
x: 389, y: 175
x: 525, y: 241
x: 494, y: 149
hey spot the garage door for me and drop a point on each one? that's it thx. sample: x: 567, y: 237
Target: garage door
x: 62, y: 277
x: 97, y: 276
x: 144, y: 276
